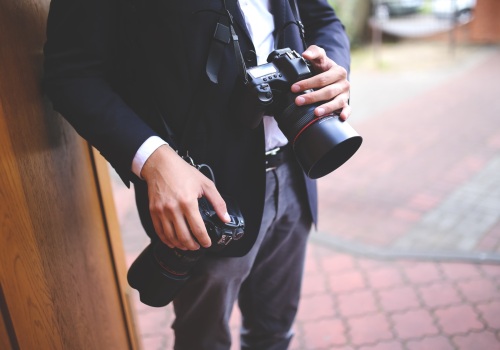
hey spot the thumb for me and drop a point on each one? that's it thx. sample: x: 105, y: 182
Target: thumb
x: 317, y: 56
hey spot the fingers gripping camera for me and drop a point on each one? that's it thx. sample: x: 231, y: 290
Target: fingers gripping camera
x: 221, y: 233
x: 160, y: 272
x: 320, y: 144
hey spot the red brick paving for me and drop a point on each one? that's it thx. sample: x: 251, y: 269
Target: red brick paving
x: 461, y: 271
x: 438, y: 343
x: 422, y: 273
x: 319, y: 339
x: 369, y: 329
x: 352, y: 302
x: 385, y: 278
x: 440, y: 294
x: 367, y: 304
x: 414, y: 324
x: 478, y: 290
x: 347, y: 282
x: 356, y: 303
x: 458, y: 319
x: 489, y: 313
x: 316, y: 307
x: 481, y: 340
x: 398, y: 299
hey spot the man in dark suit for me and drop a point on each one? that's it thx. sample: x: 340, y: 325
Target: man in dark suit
x: 136, y: 83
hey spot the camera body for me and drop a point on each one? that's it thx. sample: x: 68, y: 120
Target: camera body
x: 269, y: 84
x: 321, y: 144
x: 159, y: 272
x: 221, y: 233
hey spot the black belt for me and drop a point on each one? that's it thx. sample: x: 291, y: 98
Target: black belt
x: 277, y: 157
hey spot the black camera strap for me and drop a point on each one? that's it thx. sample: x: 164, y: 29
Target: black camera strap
x: 223, y: 34
x: 296, y: 16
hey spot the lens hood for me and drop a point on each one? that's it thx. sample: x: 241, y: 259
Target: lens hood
x: 157, y: 287
x: 325, y: 145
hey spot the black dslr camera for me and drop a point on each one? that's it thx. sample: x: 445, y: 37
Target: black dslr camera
x: 160, y: 272
x: 321, y: 144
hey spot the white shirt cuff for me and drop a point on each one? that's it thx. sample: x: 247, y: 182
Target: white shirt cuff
x: 144, y: 152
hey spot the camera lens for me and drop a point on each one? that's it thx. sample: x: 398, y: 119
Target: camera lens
x: 321, y: 144
x: 159, y: 272
x: 175, y: 261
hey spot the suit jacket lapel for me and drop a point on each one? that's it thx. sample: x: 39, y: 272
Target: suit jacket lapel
x: 238, y: 17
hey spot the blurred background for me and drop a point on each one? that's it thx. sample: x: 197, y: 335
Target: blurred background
x: 407, y: 251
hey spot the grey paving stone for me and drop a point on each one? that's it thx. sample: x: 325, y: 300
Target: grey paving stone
x: 463, y: 218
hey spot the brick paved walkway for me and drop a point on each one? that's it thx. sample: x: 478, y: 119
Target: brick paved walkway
x: 425, y: 177
x: 406, y: 225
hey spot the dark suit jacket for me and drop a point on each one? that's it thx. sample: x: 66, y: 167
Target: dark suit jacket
x: 118, y: 76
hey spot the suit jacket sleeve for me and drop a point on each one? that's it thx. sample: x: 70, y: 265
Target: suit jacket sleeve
x: 323, y: 28
x: 80, y: 55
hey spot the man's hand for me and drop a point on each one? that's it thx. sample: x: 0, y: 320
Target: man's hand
x: 330, y: 85
x: 174, y: 187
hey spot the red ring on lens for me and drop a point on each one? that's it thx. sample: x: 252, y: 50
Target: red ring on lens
x: 314, y: 120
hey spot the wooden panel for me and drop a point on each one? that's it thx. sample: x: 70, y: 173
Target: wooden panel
x: 21, y: 263
x: 57, y: 268
x: 115, y: 240
x: 8, y: 340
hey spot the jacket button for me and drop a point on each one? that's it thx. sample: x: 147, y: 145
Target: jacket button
x: 250, y: 57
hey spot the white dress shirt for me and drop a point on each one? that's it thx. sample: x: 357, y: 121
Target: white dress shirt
x: 261, y: 29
